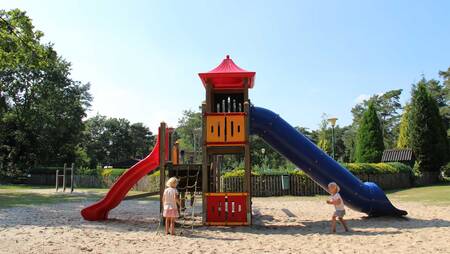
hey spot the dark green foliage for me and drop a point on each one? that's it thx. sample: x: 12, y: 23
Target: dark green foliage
x: 110, y: 140
x: 369, y: 142
x: 189, y: 132
x: 428, y: 136
x: 41, y: 107
x: 387, y: 106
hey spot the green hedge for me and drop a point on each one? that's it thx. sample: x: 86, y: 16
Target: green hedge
x: 378, y: 168
x: 355, y: 168
x: 113, y: 171
x: 240, y: 172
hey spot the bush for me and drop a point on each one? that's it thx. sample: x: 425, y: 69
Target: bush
x: 88, y: 171
x: 240, y: 172
x: 113, y: 171
x: 378, y: 168
x: 446, y: 169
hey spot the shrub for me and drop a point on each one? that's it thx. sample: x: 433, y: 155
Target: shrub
x: 113, y: 171
x: 378, y: 168
x: 240, y: 172
x: 88, y: 171
x: 446, y: 169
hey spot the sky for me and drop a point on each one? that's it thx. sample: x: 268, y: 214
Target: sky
x: 311, y: 58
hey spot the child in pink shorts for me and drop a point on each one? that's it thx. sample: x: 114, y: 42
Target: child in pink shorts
x: 170, y: 201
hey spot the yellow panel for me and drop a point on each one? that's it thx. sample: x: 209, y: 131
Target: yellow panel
x: 215, y: 128
x: 236, y: 128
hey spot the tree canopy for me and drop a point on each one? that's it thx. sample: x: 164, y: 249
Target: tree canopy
x: 41, y: 107
x: 427, y: 133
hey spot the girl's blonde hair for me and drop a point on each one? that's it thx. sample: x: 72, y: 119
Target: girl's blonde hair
x: 172, y: 182
x: 334, y: 184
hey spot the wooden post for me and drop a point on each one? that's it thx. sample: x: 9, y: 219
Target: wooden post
x: 162, y: 160
x: 57, y: 180
x: 64, y: 177
x: 205, y: 162
x: 247, y: 163
x: 72, y: 168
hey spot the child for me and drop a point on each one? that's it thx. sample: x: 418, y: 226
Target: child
x: 338, y: 203
x: 170, y: 201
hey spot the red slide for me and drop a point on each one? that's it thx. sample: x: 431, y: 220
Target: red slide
x: 100, y: 210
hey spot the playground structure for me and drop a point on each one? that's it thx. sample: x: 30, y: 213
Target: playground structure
x: 63, y: 176
x: 228, y: 119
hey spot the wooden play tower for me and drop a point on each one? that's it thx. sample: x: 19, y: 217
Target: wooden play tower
x: 226, y: 131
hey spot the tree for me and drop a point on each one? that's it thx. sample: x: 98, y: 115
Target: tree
x: 427, y: 132
x: 404, y: 140
x: 41, y: 107
x: 388, y: 106
x: 109, y: 140
x: 324, y: 136
x: 189, y: 131
x: 142, y: 140
x: 369, y: 142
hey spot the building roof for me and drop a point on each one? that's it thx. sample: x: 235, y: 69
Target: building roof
x: 228, y: 75
x: 391, y: 155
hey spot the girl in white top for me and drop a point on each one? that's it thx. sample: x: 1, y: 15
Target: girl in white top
x: 170, y: 201
x: 338, y: 203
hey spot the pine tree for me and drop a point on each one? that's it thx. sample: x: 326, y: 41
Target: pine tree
x: 369, y: 139
x: 427, y: 132
x: 404, y: 135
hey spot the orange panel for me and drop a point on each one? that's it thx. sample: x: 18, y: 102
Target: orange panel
x: 215, y: 128
x: 235, y: 128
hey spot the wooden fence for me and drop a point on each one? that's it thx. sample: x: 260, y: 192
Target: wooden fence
x: 149, y: 183
x: 265, y: 186
x: 262, y: 186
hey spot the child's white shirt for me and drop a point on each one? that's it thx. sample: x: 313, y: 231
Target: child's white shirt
x: 336, y: 197
x: 170, y: 201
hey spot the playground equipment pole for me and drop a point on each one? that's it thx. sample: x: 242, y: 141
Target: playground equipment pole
x: 162, y: 160
x: 72, y: 168
x: 64, y: 177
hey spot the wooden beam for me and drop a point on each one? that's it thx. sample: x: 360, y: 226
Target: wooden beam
x: 205, y: 163
x: 247, y: 163
x: 162, y: 161
x: 143, y: 195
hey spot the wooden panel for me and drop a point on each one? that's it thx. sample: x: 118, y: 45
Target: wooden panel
x: 215, y: 128
x: 235, y: 128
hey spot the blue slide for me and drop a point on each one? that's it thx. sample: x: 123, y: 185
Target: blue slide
x: 364, y: 197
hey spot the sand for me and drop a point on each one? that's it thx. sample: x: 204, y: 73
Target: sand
x: 302, y: 228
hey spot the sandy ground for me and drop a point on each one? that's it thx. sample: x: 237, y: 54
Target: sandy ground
x: 302, y: 228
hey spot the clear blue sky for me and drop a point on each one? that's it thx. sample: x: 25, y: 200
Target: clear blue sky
x: 310, y: 57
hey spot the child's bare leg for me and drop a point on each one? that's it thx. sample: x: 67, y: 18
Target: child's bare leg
x: 343, y: 223
x: 172, y: 226
x: 167, y: 225
x: 333, y: 224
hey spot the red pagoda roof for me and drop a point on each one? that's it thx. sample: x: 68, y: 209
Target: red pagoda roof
x: 228, y: 76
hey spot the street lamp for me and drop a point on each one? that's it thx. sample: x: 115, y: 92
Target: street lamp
x: 332, y: 121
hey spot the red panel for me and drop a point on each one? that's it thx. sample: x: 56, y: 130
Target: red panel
x: 215, y: 208
x: 237, y: 209
x: 226, y: 208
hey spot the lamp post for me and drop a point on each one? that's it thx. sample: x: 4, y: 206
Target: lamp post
x: 332, y: 121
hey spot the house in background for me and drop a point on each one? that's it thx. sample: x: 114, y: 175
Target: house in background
x: 405, y: 156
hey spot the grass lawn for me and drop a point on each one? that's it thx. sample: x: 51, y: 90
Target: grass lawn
x: 23, y: 195
x: 433, y: 195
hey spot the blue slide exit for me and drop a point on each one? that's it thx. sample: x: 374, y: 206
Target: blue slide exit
x: 364, y: 197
